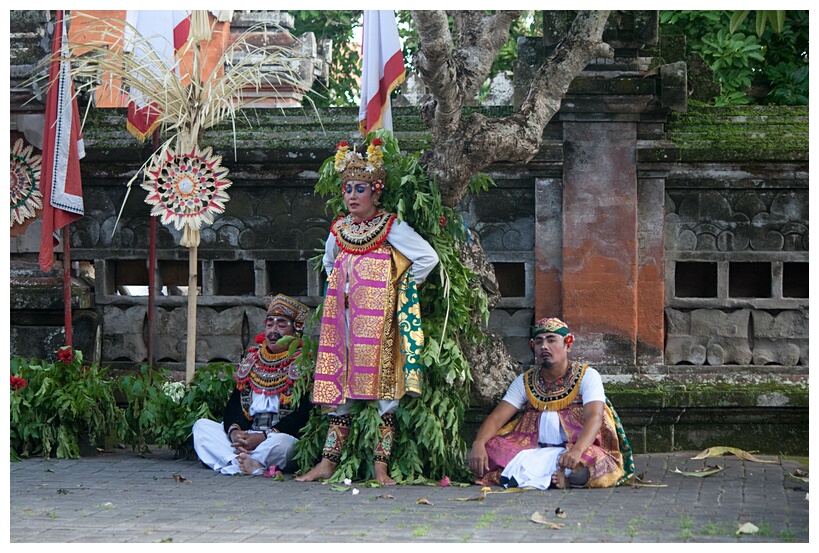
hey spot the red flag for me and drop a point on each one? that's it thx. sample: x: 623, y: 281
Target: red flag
x: 382, y: 69
x: 167, y: 32
x: 60, y: 182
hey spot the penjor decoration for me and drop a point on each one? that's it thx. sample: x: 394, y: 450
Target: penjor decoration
x: 187, y: 189
x: 25, y: 178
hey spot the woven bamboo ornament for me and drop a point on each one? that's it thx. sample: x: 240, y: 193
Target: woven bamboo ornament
x: 186, y: 190
x: 25, y: 179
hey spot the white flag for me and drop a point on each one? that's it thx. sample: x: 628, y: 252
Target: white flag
x: 382, y: 69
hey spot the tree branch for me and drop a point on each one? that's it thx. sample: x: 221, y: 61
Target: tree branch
x: 463, y: 148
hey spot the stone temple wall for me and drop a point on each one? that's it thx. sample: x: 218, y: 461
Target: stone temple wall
x: 737, y: 265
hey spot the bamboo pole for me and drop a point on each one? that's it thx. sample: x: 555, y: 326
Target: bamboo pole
x: 190, y: 360
x: 69, y: 329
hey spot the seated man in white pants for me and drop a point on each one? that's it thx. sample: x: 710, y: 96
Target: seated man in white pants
x: 554, y: 428
x: 260, y: 427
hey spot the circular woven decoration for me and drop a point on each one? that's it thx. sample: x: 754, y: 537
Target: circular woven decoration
x: 25, y: 177
x: 187, y: 189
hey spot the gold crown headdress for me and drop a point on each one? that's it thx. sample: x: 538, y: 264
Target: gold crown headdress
x: 351, y: 165
x: 285, y: 306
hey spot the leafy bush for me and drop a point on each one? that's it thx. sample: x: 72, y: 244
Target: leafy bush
x: 56, y: 404
x: 767, y: 68
x: 162, y: 412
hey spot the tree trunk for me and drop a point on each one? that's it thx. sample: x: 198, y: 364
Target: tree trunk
x: 464, y: 146
x: 453, y: 70
x: 492, y: 367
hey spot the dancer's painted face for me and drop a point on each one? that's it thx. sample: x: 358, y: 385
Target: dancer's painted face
x: 360, y: 198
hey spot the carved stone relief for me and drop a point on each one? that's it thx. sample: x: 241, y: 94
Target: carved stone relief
x: 736, y: 220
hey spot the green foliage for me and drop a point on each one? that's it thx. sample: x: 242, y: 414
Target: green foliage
x: 428, y: 444
x: 148, y: 408
x: 775, y: 17
x: 61, y: 402
x: 754, y: 62
x: 161, y: 411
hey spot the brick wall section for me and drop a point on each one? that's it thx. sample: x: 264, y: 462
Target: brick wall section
x: 600, y: 239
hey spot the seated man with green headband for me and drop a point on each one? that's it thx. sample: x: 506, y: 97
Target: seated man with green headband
x: 554, y: 427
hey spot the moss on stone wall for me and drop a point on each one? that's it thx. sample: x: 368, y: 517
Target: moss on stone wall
x: 741, y: 133
x: 769, y: 394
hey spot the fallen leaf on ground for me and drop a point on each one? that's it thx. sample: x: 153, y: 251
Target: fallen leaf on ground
x: 639, y: 482
x: 339, y: 488
x: 800, y: 475
x: 423, y: 501
x: 747, y: 528
x: 703, y: 472
x: 385, y: 496
x: 560, y: 513
x: 540, y: 519
x: 722, y: 450
x: 181, y: 479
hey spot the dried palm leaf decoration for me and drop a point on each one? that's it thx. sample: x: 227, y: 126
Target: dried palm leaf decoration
x: 188, y: 104
x: 186, y: 189
x: 25, y: 179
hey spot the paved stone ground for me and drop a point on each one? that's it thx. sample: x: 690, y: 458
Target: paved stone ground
x: 121, y: 497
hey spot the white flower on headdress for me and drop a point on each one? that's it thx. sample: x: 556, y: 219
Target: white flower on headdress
x: 343, y: 156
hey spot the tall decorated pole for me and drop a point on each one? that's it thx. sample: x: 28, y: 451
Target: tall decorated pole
x: 147, y: 56
x: 61, y: 183
x: 186, y: 185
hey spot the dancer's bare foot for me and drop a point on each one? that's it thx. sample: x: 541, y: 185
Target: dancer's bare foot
x: 382, y: 476
x: 322, y: 471
x: 248, y: 464
x: 559, y: 479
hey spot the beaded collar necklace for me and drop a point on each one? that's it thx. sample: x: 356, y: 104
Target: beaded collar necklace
x: 359, y: 237
x: 267, y: 373
x: 555, y: 395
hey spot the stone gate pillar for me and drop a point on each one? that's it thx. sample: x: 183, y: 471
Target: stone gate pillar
x: 599, y: 260
x: 599, y: 292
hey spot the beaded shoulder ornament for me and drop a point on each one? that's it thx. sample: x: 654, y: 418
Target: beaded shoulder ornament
x: 267, y: 373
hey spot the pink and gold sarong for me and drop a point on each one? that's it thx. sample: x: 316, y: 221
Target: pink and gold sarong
x: 360, y: 354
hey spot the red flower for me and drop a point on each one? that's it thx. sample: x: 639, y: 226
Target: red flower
x: 443, y: 221
x: 65, y: 354
x: 18, y: 382
x: 259, y: 339
x: 342, y: 144
x: 377, y: 142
